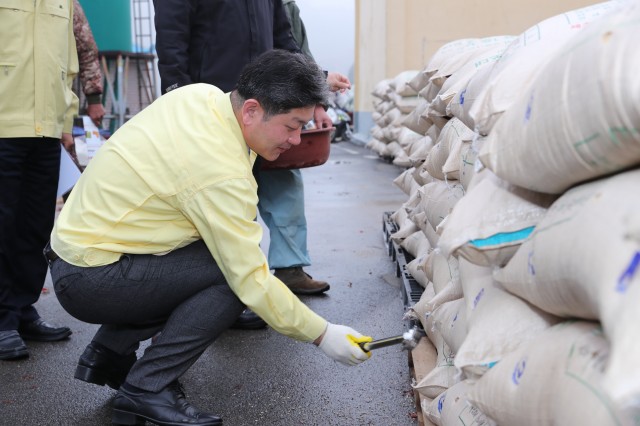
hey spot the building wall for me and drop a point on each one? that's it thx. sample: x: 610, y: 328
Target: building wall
x: 398, y: 35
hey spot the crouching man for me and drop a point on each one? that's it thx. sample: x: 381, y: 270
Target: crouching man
x: 159, y: 235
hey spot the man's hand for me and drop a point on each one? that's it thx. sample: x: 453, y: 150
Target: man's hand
x: 340, y: 343
x: 69, y: 145
x: 96, y: 112
x: 338, y: 82
x: 321, y: 118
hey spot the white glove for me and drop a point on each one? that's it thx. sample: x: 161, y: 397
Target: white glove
x: 341, y: 344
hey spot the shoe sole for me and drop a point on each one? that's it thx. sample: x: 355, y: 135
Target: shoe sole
x: 92, y: 376
x: 309, y: 292
x: 18, y: 353
x: 47, y: 338
x: 121, y: 417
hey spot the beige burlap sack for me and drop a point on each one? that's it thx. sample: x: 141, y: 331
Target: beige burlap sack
x: 400, y: 83
x: 583, y: 261
x: 439, y: 198
x: 440, y: 269
x: 415, y: 121
x: 469, y: 164
x: 450, y: 319
x: 452, y: 291
x: 444, y: 373
x: 416, y: 244
x: 489, y: 223
x: 381, y: 89
x: 498, y: 322
x: 419, y: 154
x: 555, y: 379
x: 453, y: 133
x: 525, y: 58
x: 416, y: 272
x: 581, y: 117
x: 454, y: 91
x: 455, y: 54
x: 418, y: 311
x: 405, y: 181
x: 452, y: 408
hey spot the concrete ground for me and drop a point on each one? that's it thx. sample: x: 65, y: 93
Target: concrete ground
x: 261, y: 377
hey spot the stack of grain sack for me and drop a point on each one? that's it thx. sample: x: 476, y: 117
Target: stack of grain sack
x: 523, y: 218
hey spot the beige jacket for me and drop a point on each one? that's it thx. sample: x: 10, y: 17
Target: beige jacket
x: 38, y: 61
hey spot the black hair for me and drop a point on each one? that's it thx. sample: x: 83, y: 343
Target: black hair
x: 282, y: 81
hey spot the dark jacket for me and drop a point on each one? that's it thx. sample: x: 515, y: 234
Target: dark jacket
x: 210, y: 41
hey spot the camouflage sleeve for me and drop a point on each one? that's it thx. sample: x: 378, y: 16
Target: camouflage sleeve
x: 90, y: 74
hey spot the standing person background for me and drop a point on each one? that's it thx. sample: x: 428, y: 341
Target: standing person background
x: 90, y: 74
x: 39, y: 62
x: 210, y: 42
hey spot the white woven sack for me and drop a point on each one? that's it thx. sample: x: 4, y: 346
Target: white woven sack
x: 457, y: 75
x: 555, y: 379
x: 571, y: 265
x: 400, y: 83
x: 452, y: 133
x: 416, y: 244
x: 415, y: 121
x: 405, y: 104
x: 440, y: 269
x: 452, y: 408
x: 452, y: 291
x: 469, y: 164
x: 381, y: 89
x: 418, y: 155
x: 418, y: 310
x: 443, y: 374
x: 497, y: 321
x: 455, y: 88
x: 450, y: 319
x: 489, y: 223
x: 419, y: 81
x: 583, y: 261
x: 548, y: 143
x: 524, y: 59
x: 439, y: 198
x: 413, y: 267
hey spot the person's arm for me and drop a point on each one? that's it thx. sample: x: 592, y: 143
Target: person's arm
x: 282, y: 36
x: 338, y: 82
x: 89, y: 66
x: 173, y: 33
x: 298, y: 30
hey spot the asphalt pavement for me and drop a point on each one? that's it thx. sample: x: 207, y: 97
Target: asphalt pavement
x: 261, y: 377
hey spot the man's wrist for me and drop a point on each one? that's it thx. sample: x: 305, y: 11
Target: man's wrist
x: 95, y: 98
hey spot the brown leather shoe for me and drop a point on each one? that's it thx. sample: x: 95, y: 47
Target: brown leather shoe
x: 299, y: 282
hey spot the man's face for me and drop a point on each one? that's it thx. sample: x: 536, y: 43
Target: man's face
x: 274, y: 135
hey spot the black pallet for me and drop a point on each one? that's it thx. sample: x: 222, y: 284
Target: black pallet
x: 411, y: 290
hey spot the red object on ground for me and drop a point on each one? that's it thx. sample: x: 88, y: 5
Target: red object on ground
x: 312, y: 151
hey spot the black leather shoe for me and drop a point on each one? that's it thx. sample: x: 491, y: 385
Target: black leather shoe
x: 102, y: 366
x: 41, y: 331
x: 248, y: 320
x: 168, y: 407
x: 12, y: 346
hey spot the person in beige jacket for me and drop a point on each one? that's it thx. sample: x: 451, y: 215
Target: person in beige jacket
x: 38, y: 62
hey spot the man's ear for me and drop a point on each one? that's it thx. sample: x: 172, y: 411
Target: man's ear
x: 251, y: 111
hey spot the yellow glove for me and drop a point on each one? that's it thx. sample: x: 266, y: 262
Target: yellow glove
x: 341, y: 344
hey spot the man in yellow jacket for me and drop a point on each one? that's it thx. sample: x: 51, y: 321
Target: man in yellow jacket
x: 168, y: 242
x: 38, y: 62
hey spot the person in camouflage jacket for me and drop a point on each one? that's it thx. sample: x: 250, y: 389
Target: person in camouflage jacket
x: 90, y: 74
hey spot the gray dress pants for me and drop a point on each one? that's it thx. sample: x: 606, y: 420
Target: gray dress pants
x: 183, y: 294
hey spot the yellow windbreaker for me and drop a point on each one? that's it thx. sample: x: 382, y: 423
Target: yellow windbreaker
x: 38, y: 62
